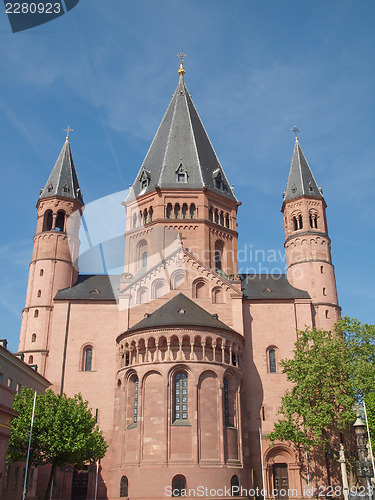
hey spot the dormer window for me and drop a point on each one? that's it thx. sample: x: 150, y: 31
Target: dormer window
x: 311, y: 187
x: 66, y: 188
x: 49, y: 187
x: 145, y: 179
x: 294, y: 188
x: 181, y: 174
x: 217, y: 177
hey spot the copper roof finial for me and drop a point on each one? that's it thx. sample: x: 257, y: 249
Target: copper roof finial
x: 181, y: 70
x: 68, y: 130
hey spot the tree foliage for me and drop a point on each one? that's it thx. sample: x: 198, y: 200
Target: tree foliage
x: 64, y: 431
x: 322, y: 394
x: 360, y: 342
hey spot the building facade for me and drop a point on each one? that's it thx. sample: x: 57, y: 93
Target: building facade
x: 179, y: 355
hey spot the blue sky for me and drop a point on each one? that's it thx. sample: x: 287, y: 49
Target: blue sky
x: 254, y: 70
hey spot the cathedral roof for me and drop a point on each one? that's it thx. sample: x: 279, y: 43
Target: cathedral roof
x: 63, y: 180
x: 301, y: 180
x: 181, y: 154
x: 91, y: 287
x: 180, y: 311
x: 269, y: 286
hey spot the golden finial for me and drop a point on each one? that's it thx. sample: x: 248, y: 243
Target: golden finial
x: 181, y: 70
x: 68, y: 130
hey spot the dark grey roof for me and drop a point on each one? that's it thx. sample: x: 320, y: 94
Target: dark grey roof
x: 181, y: 142
x: 63, y: 180
x: 301, y: 180
x: 91, y: 287
x: 170, y: 314
x: 269, y: 286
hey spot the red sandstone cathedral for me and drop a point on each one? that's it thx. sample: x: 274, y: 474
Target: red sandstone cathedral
x: 179, y: 355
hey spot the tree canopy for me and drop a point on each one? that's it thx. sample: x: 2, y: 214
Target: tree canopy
x: 64, y: 431
x: 322, y: 395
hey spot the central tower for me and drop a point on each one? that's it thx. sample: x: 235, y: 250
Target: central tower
x: 181, y: 189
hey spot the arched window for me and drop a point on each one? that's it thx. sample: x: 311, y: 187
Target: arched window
x: 180, y: 398
x: 142, y: 254
x: 33, y: 337
x: 169, y: 210
x: 221, y: 219
x: 150, y: 214
x: 41, y: 272
x: 295, y: 223
x: 200, y: 289
x: 217, y: 216
x: 145, y: 215
x: 235, y: 486
x: 159, y: 289
x: 184, y: 211
x: 300, y: 221
x: 218, y: 255
x: 227, y: 221
x: 47, y: 222
x: 272, y: 360
x: 210, y: 215
x: 179, y: 486
x: 31, y: 360
x: 60, y: 221
x: 134, y: 221
x: 142, y: 295
x: 36, y: 313
x: 226, y: 403
x: 327, y: 314
x: 144, y: 260
x: 124, y: 486
x: 217, y: 296
x: 177, y: 279
x: 39, y: 293
x: 87, y: 359
x: 134, y: 381
x: 177, y: 211
x: 192, y: 211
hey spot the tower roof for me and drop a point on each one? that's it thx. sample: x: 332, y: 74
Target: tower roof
x: 181, y: 154
x: 301, y: 180
x: 63, y: 180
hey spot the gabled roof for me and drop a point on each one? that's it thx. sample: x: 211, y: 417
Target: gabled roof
x: 301, y: 180
x: 181, y: 146
x: 63, y: 180
x: 269, y: 286
x: 180, y: 311
x: 91, y: 287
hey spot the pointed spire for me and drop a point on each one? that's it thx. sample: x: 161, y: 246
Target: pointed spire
x: 301, y: 180
x: 181, y: 154
x: 63, y: 180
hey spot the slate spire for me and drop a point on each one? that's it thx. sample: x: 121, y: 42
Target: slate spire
x: 181, y: 154
x: 63, y: 180
x: 301, y: 180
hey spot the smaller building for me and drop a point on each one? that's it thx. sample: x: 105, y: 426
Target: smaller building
x: 14, y: 374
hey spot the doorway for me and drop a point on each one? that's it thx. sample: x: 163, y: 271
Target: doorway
x: 280, y: 481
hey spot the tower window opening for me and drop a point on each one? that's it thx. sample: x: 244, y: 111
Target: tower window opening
x: 33, y: 337
x: 218, y: 255
x: 87, y: 359
x: 134, y: 221
x: 140, y: 219
x: 41, y: 272
x: 324, y: 291
x: 150, y: 214
x: 227, y: 221
x: 322, y: 269
x: 192, y: 211
x: 48, y: 220
x: 226, y: 403
x: 135, y: 409
x: 177, y: 211
x: 184, y: 211
x: 180, y: 398
x: 39, y: 293
x: 178, y: 486
x: 31, y: 360
x: 221, y: 219
x: 216, y: 216
x: 60, y: 221
x: 169, y: 211
x: 145, y: 214
x: 295, y: 223
x: 144, y: 260
x: 272, y: 360
x: 210, y: 215
x: 36, y: 313
x: 263, y: 414
x: 124, y: 486
x: 327, y: 314
x: 235, y: 486
x: 300, y: 222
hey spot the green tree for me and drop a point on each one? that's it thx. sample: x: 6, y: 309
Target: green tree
x: 322, y: 397
x: 370, y: 410
x: 64, y: 431
x: 360, y: 342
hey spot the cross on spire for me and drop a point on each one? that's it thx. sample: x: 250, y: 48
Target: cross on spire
x: 68, y: 130
x: 295, y: 130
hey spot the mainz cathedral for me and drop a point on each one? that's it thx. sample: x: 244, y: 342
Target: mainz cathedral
x: 178, y: 355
